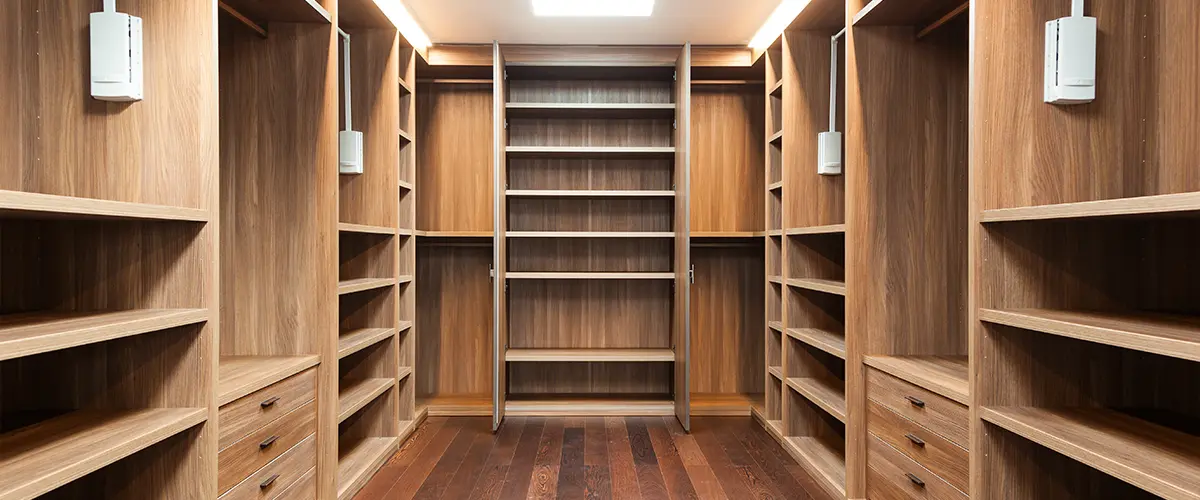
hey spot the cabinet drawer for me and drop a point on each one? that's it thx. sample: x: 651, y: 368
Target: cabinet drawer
x: 304, y: 488
x: 893, y: 476
x: 258, y: 448
x: 932, y: 451
x: 241, y: 417
x: 279, y: 476
x: 927, y: 409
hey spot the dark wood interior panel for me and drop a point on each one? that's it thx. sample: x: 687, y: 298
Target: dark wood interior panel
x: 366, y: 256
x: 598, y: 313
x: 589, y: 91
x: 591, y: 215
x: 454, y: 157
x: 371, y: 309
x: 589, y: 379
x: 597, y: 174
x: 590, y: 132
x: 811, y: 309
x: 727, y: 324
x: 589, y: 255
x: 454, y: 320
x: 727, y: 158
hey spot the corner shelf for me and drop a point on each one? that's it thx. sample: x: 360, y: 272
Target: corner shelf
x: 945, y: 375
x: 819, y: 285
x: 22, y: 205
x: 1181, y: 204
x: 590, y: 355
x: 824, y: 340
x: 27, y: 334
x: 363, y: 284
x: 589, y: 193
x: 242, y: 375
x: 359, y: 461
x: 361, y: 338
x: 589, y: 234
x: 356, y: 394
x: 822, y: 393
x: 590, y: 110
x: 1167, y: 335
x: 590, y: 276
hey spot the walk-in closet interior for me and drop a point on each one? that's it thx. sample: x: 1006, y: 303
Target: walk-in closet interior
x: 935, y: 249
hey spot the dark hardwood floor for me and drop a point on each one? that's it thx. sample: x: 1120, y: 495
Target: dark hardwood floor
x: 594, y: 457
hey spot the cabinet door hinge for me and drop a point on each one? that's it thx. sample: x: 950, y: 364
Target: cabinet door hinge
x: 692, y: 274
x: 491, y: 273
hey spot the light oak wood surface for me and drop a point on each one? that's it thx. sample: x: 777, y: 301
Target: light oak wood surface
x: 1164, y: 205
x: 588, y: 151
x: 455, y: 157
x: 583, y: 407
x: 830, y: 229
x: 34, y: 333
x: 347, y: 227
x: 928, y: 409
x: 589, y: 110
x: 727, y: 158
x: 356, y: 394
x: 1175, y: 336
x: 253, y: 411
x: 819, y: 285
x: 589, y: 193
x: 361, y: 338
x: 888, y: 476
x: 242, y: 375
x: 359, y: 460
x: 590, y: 355
x: 831, y: 342
x: 293, y: 472
x: 363, y: 284
x: 827, y: 394
x: 826, y: 463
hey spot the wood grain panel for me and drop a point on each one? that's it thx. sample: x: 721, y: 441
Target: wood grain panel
x: 454, y: 320
x: 598, y: 174
x: 812, y: 199
x: 589, y: 314
x: 589, y: 380
x: 590, y: 255
x: 893, y: 476
x: 370, y: 197
x: 727, y: 324
x: 590, y: 91
x: 591, y: 55
x: 727, y: 158
x: 590, y: 132
x: 454, y: 157
x: 934, y: 452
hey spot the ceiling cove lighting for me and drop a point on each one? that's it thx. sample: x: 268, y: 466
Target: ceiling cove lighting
x: 784, y: 14
x: 405, y: 22
x: 593, y: 8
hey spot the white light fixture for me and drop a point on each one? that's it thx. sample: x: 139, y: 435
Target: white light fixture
x: 779, y: 20
x: 593, y: 8
x: 405, y: 22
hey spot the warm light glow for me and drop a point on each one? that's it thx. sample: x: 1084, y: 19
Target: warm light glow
x: 593, y: 8
x: 779, y: 20
x: 404, y: 22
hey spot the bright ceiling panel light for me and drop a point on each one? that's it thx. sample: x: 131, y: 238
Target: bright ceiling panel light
x: 784, y: 14
x: 593, y: 8
x: 405, y: 22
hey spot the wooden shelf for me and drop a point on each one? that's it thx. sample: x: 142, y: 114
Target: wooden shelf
x: 775, y: 325
x: 290, y: 11
x: 830, y: 229
x: 1181, y: 204
x: 39, y: 458
x: 777, y: 89
x: 1157, y: 459
x: 405, y: 371
x: 776, y: 138
x: 588, y: 193
x: 357, y: 463
x: 242, y: 375
x: 823, y: 393
x: 826, y: 464
x: 775, y: 279
x: 590, y: 110
x: 1175, y: 336
x: 361, y: 338
x: 354, y: 395
x: 346, y: 227
x: 406, y: 232
x: 727, y: 234
x: 406, y: 186
x: 721, y: 404
x: 775, y: 186
x: 589, y: 234
x: 900, y: 13
x: 363, y: 284
x: 777, y: 233
x: 590, y: 276
x: 455, y: 234
x: 590, y: 152
x: 583, y: 406
x: 21, y: 205
x: 818, y: 285
x: 945, y: 375
x: 405, y: 88
x: 459, y: 405
x: 405, y: 137
x: 27, y: 334
x: 590, y: 355
x: 776, y: 371
x: 404, y: 278
x: 830, y: 342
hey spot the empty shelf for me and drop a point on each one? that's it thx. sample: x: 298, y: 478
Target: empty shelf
x: 405, y: 371
x: 405, y: 88
x: 559, y: 407
x: 775, y: 279
x: 777, y: 89
x: 825, y: 340
x: 1142, y: 206
x: 362, y: 338
x: 590, y: 355
x: 589, y: 234
x: 1157, y: 459
x: 359, y: 461
x: 590, y: 110
x: 34, y: 333
x: 776, y: 138
x: 945, y: 375
x: 826, y: 463
x: 828, y: 394
x: 404, y: 278
x: 406, y: 186
x: 405, y: 137
x: 363, y: 284
x: 456, y: 234
x: 21, y: 205
x: 346, y: 227
x: 830, y: 229
x: 775, y: 325
x: 39, y: 458
x: 589, y: 193
x: 590, y: 151
x: 726, y: 234
x: 776, y: 371
x: 819, y: 285
x: 775, y: 232
x: 590, y: 276
x: 1175, y: 336
x: 775, y: 186
x: 354, y: 395
x: 242, y: 375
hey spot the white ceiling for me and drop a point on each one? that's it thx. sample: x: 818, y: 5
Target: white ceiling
x: 702, y: 22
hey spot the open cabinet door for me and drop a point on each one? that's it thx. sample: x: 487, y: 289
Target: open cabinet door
x: 682, y: 315
x: 499, y: 292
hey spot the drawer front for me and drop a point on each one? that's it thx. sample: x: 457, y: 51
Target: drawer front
x: 241, y: 417
x: 279, y: 476
x: 893, y: 476
x: 304, y: 488
x: 930, y: 410
x: 258, y: 448
x: 932, y: 451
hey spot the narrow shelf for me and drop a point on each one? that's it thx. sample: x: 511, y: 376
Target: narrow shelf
x: 1157, y: 459
x: 405, y: 371
x: 1142, y: 206
x: 777, y: 89
x: 590, y: 355
x: 775, y: 279
x: 406, y: 137
x: 589, y: 151
x: 776, y: 138
x: 823, y: 393
x: 405, y: 88
x: 900, y: 13
x: 1175, y: 336
x: 775, y: 186
x: 588, y: 193
x: 590, y: 110
x: 455, y: 234
x: 35, y: 460
x: 776, y: 371
x: 945, y: 375
x: 361, y: 338
x: 830, y: 229
x: 242, y: 375
x: 27, y: 334
x: 818, y: 285
x: 355, y: 394
x: 357, y: 463
x: 458, y: 405
x: 726, y: 234
x: 594, y: 407
x: 22, y: 205
x: 404, y: 278
x: 590, y: 276
x: 346, y: 227
x: 363, y: 284
x: 405, y: 232
x: 824, y: 340
x: 826, y: 463
x: 775, y: 325
x: 589, y: 234
x: 776, y: 233
x: 406, y: 186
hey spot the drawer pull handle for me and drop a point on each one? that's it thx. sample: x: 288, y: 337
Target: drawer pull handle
x: 915, y: 440
x: 267, y: 484
x: 915, y: 480
x: 269, y: 403
x: 915, y: 402
x: 267, y: 442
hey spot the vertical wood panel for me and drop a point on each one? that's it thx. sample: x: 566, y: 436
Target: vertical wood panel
x: 500, y: 226
x: 455, y: 157
x: 681, y: 336
x: 727, y: 157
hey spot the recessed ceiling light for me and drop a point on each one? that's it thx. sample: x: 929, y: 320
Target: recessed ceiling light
x: 593, y: 8
x: 784, y: 14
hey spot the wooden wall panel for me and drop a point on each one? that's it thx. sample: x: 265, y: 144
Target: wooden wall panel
x: 598, y: 313
x: 590, y: 255
x: 633, y: 215
x: 371, y: 197
x: 600, y: 174
x: 584, y: 380
x: 812, y: 199
x: 454, y: 320
x: 727, y: 324
x: 543, y: 132
x: 727, y: 158
x: 454, y: 157
x: 590, y: 91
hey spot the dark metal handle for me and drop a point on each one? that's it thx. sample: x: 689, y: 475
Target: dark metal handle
x: 267, y: 484
x: 267, y: 442
x: 269, y: 403
x: 915, y: 480
x: 915, y: 440
x: 915, y: 402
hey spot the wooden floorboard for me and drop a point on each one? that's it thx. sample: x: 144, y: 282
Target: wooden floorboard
x: 589, y: 457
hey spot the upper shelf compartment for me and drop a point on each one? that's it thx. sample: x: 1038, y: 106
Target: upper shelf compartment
x: 591, y: 151
x: 262, y: 12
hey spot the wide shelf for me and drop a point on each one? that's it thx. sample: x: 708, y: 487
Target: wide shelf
x: 358, y: 339
x: 27, y: 334
x: 590, y: 355
x: 22, y: 205
x: 826, y: 394
x: 590, y: 110
x: 902, y: 13
x: 1168, y: 335
x: 819, y: 285
x: 580, y: 406
x: 825, y: 463
x: 825, y: 340
x: 363, y: 284
x: 353, y: 395
x: 39, y: 458
x: 346, y: 227
x: 590, y: 151
x: 589, y: 234
x: 357, y: 462
x: 589, y: 193
x: 242, y: 375
x: 775, y: 279
x: 726, y: 234
x: 1181, y: 204
x: 830, y: 229
x: 1157, y: 459
x: 945, y: 375
x: 591, y: 276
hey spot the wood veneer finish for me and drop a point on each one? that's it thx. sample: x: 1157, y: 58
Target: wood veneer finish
x: 454, y: 318
x: 239, y: 418
x: 727, y: 326
x: 926, y: 408
x: 931, y: 450
x: 293, y: 466
x: 887, y: 476
x: 455, y: 157
x: 727, y: 177
x: 242, y: 458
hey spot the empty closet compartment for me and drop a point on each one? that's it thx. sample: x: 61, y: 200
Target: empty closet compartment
x: 726, y: 367
x: 816, y: 438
